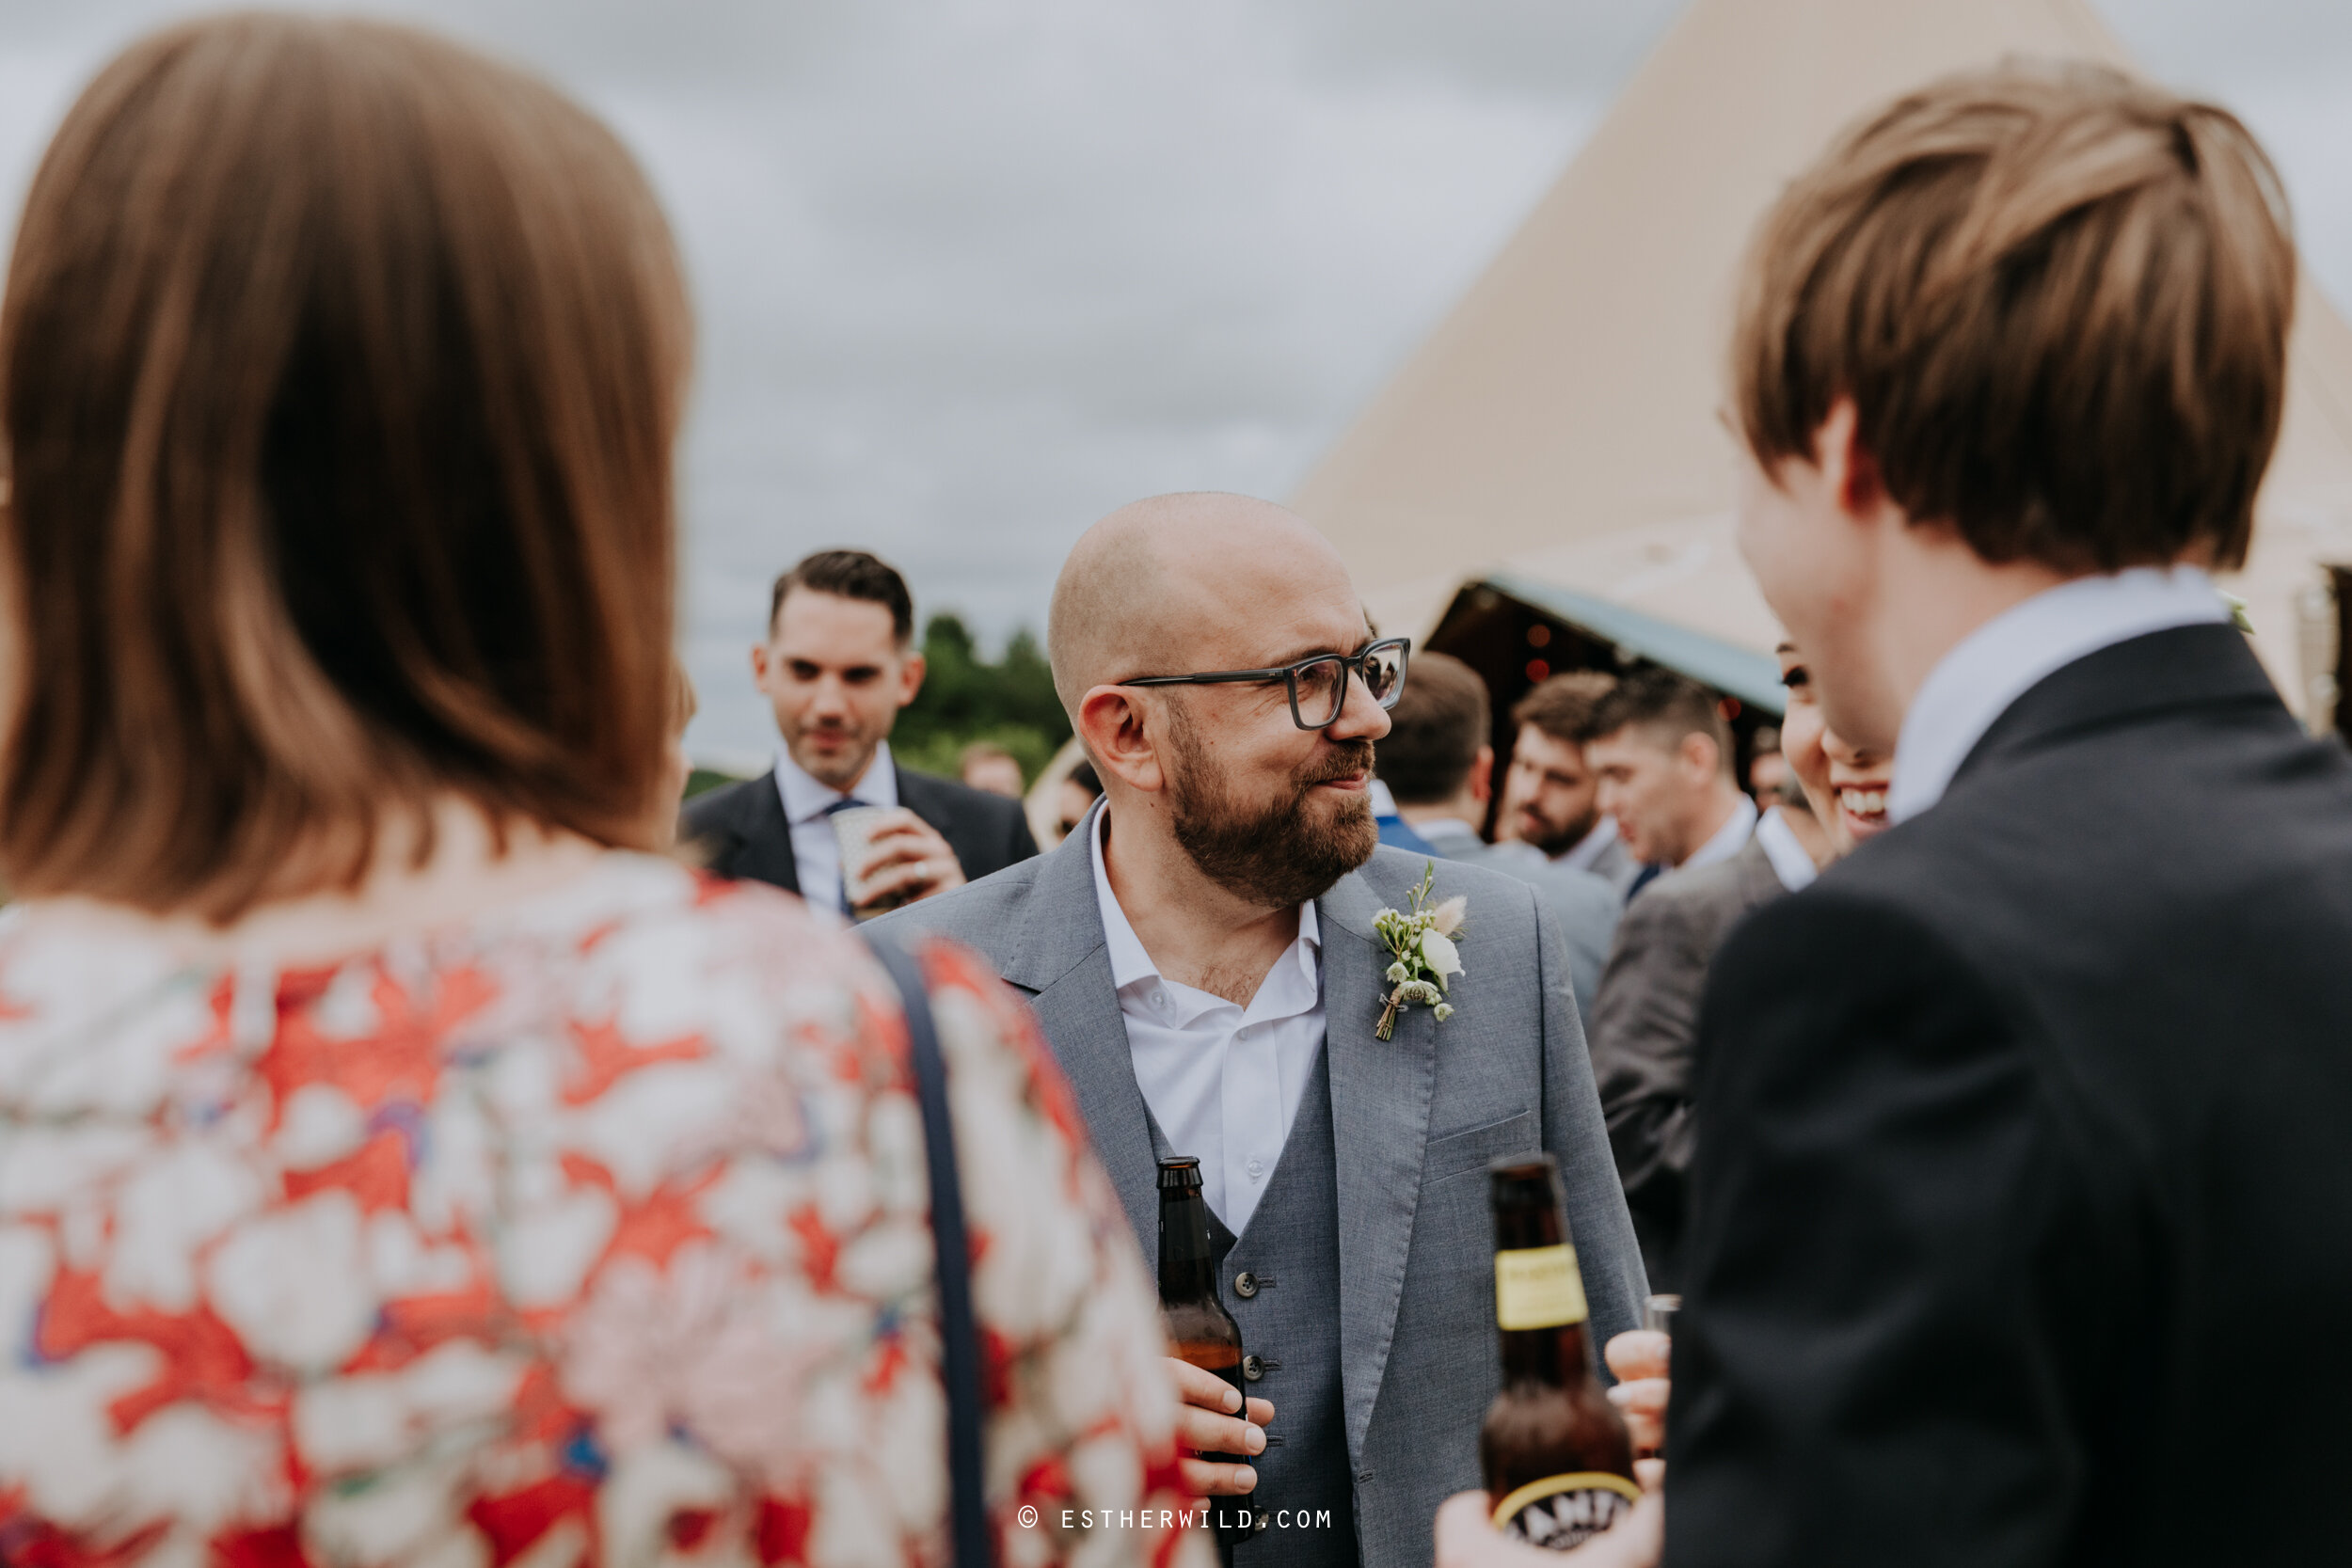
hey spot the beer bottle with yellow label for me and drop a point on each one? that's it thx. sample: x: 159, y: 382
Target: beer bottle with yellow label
x: 1558, y: 1464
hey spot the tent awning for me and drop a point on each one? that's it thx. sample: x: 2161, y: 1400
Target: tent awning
x: 1743, y: 672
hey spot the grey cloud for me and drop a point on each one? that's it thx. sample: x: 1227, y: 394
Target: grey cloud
x: 970, y: 273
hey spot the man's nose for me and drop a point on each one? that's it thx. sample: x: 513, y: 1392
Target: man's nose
x: 1850, y: 756
x: 1361, y: 717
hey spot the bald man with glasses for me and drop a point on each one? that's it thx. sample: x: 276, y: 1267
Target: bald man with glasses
x: 1202, y: 956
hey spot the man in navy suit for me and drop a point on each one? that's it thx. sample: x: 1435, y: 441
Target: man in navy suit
x: 837, y: 665
x: 2026, y: 1119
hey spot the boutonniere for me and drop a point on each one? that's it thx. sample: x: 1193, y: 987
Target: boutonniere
x: 1421, y: 940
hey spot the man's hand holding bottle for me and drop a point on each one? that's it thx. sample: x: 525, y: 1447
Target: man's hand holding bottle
x: 1467, y: 1537
x: 1210, y: 1422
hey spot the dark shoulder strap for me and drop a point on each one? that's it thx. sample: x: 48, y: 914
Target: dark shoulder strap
x: 959, y: 1340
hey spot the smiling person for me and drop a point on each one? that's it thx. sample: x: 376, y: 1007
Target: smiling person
x: 1203, y: 957
x: 1845, y: 785
x: 839, y: 664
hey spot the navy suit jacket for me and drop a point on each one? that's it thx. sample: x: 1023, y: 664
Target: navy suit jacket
x: 742, y: 834
x: 2020, y: 1227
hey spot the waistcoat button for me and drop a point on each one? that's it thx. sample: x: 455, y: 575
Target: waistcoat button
x: 1252, y: 1369
x: 1244, y: 1285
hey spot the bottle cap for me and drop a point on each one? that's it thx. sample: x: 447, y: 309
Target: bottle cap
x: 1181, y: 1170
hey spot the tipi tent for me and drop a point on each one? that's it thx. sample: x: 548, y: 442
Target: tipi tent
x: 1559, y: 427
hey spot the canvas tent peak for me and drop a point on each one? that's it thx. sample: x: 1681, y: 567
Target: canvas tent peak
x: 1561, y: 425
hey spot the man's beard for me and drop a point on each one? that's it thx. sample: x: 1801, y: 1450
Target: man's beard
x: 1277, y: 855
x: 1558, y: 844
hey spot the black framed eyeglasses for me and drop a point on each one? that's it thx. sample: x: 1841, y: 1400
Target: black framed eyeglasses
x: 1318, y: 686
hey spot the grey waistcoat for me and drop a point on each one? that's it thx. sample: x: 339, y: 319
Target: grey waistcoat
x: 1290, y: 1325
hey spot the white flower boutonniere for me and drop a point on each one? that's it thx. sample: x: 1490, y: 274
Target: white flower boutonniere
x: 1420, y: 941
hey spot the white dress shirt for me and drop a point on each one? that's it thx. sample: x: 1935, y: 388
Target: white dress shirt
x: 1790, y: 863
x: 1996, y: 664
x: 1729, y: 839
x: 816, y: 852
x: 1223, y: 1082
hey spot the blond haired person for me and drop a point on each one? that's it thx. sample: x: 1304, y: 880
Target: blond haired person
x: 398, y: 1165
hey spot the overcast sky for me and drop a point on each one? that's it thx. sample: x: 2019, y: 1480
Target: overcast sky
x: 970, y: 273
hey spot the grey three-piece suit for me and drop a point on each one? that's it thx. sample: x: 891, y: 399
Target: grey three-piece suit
x: 1370, y: 1303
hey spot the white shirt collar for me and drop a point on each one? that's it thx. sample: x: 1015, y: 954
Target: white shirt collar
x: 1728, y: 839
x: 1998, y: 662
x: 805, y: 799
x: 1131, y: 963
x: 1592, y: 845
x: 1778, y: 840
x: 1383, y: 800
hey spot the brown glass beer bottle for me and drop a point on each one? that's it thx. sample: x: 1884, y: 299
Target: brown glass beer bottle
x: 1199, y: 1327
x: 1558, y: 1464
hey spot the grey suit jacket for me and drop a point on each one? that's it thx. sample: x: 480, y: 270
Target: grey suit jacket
x: 1415, y: 1120
x: 1644, y: 1023
x: 1616, y: 865
x: 1587, y: 906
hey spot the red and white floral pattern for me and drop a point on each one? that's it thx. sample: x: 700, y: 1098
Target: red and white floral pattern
x: 592, y: 1232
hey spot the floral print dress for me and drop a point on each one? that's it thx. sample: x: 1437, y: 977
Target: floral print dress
x: 592, y: 1230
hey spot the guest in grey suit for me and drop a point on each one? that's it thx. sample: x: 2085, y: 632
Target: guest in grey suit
x: 1438, y: 766
x: 1203, y: 959
x: 1645, y: 1020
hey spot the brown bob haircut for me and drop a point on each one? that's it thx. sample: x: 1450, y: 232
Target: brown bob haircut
x: 2059, y: 300
x: 342, y: 369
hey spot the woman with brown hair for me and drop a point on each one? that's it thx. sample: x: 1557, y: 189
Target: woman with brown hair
x: 397, y: 1165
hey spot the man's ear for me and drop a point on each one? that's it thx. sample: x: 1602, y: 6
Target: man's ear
x: 1112, y: 724
x: 1482, y: 776
x: 1852, y: 474
x: 1699, y: 755
x: 911, y: 671
x: 759, y: 664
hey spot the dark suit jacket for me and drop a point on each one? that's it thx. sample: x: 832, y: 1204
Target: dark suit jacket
x: 2021, y: 1216
x: 741, y: 830
x: 1645, y: 1023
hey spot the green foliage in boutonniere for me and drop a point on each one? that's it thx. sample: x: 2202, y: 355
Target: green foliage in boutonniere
x: 1420, y: 941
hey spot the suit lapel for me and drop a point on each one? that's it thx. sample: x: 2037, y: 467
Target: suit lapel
x: 1060, y: 958
x: 1380, y: 1094
x: 766, y: 838
x: 2193, y: 666
x: 915, y: 794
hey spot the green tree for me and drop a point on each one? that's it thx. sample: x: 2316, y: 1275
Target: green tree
x: 965, y: 698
